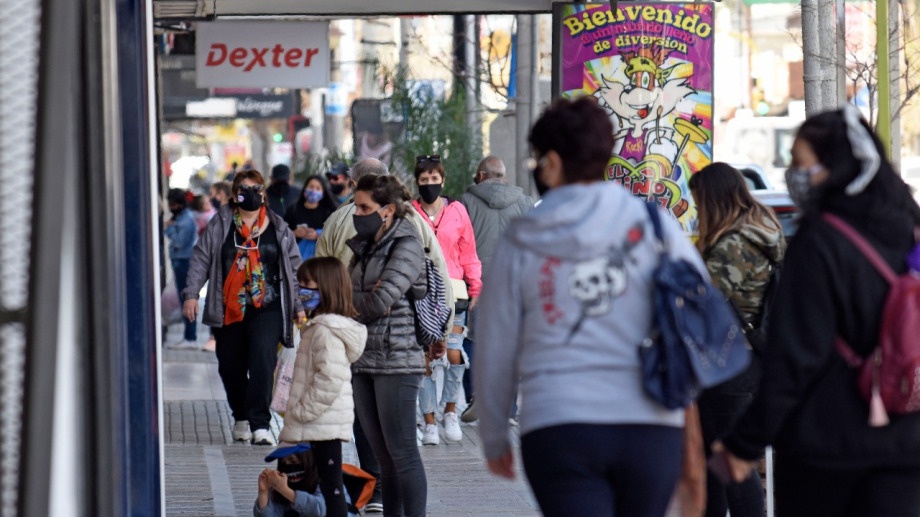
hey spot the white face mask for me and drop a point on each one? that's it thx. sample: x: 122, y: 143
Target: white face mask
x: 798, y: 182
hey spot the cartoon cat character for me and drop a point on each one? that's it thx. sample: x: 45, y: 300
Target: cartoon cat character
x: 640, y: 107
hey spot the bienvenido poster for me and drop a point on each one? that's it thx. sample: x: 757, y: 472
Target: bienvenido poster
x: 650, y: 66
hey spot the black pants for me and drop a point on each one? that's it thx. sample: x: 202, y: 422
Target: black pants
x: 720, y: 408
x: 328, y: 458
x: 246, y: 355
x: 803, y: 490
x: 368, y: 460
x: 615, y: 470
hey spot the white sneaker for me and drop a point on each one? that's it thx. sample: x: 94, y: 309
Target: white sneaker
x: 431, y: 435
x: 184, y: 345
x: 452, y: 430
x: 263, y: 437
x: 241, y: 431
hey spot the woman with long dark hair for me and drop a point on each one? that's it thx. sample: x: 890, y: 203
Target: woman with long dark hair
x: 830, y: 460
x: 307, y: 216
x: 387, y: 271
x: 741, y: 242
x: 250, y: 257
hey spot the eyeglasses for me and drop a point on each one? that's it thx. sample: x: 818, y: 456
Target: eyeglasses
x: 251, y: 188
x: 433, y: 158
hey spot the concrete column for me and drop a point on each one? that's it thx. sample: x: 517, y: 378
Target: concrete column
x: 523, y: 102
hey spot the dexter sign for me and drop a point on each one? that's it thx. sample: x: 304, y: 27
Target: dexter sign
x: 245, y: 54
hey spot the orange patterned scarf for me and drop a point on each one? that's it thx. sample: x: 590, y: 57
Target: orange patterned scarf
x: 246, y: 276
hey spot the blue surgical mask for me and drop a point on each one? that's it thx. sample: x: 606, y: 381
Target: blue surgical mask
x: 309, y: 298
x: 313, y: 196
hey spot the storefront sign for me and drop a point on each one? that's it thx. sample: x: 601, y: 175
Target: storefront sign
x: 264, y: 106
x: 248, y: 54
x: 650, y: 66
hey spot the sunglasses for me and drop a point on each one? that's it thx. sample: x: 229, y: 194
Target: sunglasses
x: 433, y: 158
x: 251, y: 188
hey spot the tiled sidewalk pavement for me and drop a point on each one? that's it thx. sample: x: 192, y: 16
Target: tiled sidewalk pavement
x: 207, y: 474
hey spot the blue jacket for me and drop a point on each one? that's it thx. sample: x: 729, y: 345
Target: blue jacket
x: 305, y: 505
x: 182, y: 235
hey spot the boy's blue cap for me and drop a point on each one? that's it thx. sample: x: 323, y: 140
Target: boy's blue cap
x: 286, y: 449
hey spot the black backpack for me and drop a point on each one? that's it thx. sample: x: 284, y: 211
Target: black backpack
x: 756, y: 331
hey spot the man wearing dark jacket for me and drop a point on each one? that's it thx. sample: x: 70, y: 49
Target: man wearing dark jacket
x: 280, y: 193
x: 491, y: 204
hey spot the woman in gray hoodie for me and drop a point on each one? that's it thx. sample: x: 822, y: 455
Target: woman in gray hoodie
x: 565, y: 305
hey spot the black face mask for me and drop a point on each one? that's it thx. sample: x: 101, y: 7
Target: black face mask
x: 176, y: 211
x: 215, y: 203
x: 368, y: 225
x: 249, y: 200
x: 429, y: 193
x: 542, y: 188
x: 337, y: 188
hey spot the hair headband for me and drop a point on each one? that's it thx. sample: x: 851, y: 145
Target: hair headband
x: 864, y: 150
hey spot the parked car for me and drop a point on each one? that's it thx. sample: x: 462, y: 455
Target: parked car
x: 783, y: 207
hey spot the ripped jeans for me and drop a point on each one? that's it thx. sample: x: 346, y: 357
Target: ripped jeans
x: 453, y: 374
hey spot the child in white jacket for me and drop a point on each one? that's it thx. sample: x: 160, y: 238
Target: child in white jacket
x: 320, y: 409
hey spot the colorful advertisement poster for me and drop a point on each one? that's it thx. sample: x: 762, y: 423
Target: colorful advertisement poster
x: 650, y: 66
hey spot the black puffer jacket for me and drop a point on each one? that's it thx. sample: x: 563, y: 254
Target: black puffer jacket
x: 381, y: 275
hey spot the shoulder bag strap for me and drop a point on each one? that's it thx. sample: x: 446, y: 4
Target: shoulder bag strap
x: 655, y: 217
x: 863, y: 245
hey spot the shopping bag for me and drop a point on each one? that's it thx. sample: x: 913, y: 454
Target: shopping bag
x: 284, y: 377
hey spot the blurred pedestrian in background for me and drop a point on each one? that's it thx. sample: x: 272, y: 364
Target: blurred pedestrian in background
x: 829, y: 460
x: 182, y: 234
x: 741, y: 241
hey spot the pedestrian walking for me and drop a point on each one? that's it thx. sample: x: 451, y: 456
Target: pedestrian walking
x: 491, y: 204
x: 830, y: 460
x: 249, y: 255
x: 387, y: 270
x: 451, y: 225
x: 280, y: 194
x: 566, y: 302
x: 182, y: 234
x: 307, y: 216
x: 320, y: 409
x: 741, y: 242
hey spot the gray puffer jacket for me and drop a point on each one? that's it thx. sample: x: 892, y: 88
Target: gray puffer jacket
x: 206, y: 264
x: 381, y: 275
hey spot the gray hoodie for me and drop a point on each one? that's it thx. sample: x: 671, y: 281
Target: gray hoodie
x: 582, y: 259
x: 492, y: 204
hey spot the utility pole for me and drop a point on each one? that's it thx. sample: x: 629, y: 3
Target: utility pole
x: 883, y: 89
x: 523, y: 100
x: 810, y: 49
x: 827, y: 54
x: 894, y: 62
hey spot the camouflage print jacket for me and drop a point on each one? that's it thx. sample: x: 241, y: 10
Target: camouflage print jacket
x: 739, y: 264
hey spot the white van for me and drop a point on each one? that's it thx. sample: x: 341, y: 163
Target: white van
x: 765, y: 141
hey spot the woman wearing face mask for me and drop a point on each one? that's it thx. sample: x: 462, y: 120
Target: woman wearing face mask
x: 388, y: 263
x: 741, y: 241
x: 452, y: 226
x: 567, y: 302
x: 830, y: 459
x: 249, y: 255
x: 306, y: 217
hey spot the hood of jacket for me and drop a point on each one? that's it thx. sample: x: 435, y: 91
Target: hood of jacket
x: 576, y: 222
x: 496, y: 194
x: 770, y: 242
x: 352, y: 333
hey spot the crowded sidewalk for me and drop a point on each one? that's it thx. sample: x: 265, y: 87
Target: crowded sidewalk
x: 208, y: 474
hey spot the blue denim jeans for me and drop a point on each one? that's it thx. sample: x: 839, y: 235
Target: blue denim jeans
x: 385, y: 404
x: 453, y: 375
x: 180, y: 270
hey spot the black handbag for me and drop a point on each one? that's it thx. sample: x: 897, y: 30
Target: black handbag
x: 696, y: 340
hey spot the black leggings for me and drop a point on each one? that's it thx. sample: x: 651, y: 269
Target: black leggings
x: 616, y: 470
x: 806, y: 491
x: 328, y: 458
